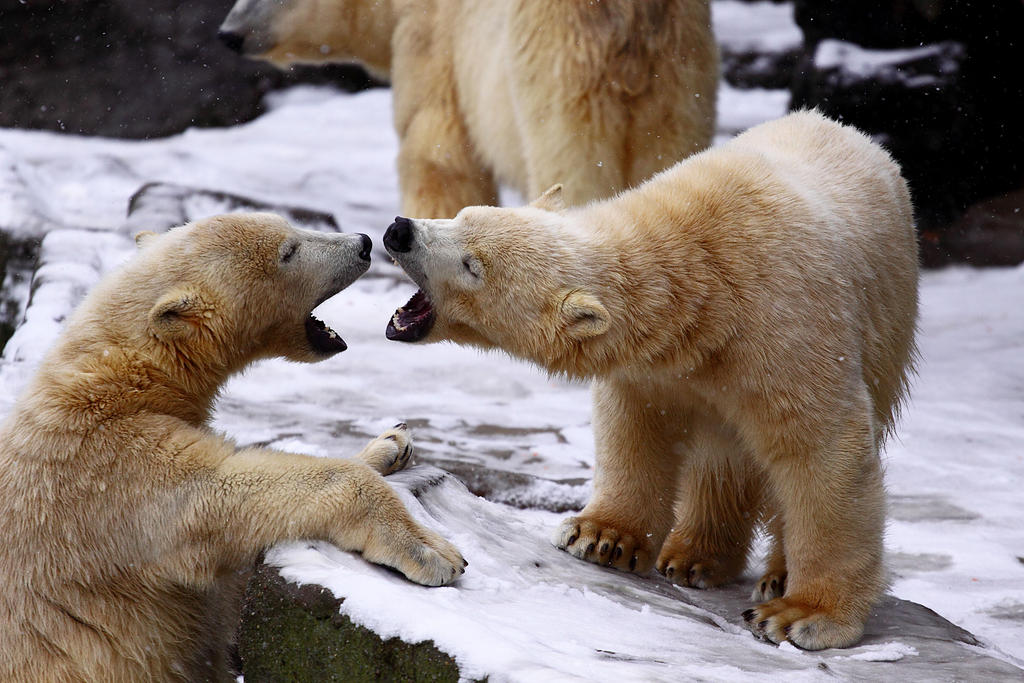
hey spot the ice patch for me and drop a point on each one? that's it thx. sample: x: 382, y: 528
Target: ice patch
x: 886, y: 652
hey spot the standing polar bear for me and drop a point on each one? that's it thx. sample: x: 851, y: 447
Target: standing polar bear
x: 125, y: 520
x: 748, y: 320
x: 597, y: 96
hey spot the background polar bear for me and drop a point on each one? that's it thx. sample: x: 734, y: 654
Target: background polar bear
x: 597, y: 96
x: 125, y: 520
x: 748, y: 318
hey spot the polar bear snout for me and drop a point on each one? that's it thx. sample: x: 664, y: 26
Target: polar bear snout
x: 398, y: 236
x: 367, y: 245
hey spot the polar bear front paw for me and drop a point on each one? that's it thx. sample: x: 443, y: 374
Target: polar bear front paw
x: 434, y: 562
x: 389, y: 452
x: 592, y: 541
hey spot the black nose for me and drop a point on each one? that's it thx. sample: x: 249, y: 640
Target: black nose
x: 367, y: 245
x: 234, y: 41
x: 399, y: 235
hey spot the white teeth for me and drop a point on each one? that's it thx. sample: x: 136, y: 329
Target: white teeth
x: 394, y: 320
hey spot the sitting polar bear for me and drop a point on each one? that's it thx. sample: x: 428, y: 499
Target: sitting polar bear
x: 748, y: 320
x: 124, y: 518
x: 597, y: 96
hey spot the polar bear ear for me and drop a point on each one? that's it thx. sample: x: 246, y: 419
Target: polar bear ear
x: 177, y: 314
x: 583, y: 315
x: 551, y: 200
x: 143, y: 238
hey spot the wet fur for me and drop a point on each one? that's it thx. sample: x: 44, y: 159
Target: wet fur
x: 526, y: 92
x: 127, y: 523
x: 748, y: 319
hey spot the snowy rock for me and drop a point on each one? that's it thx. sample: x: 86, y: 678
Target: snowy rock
x: 910, y: 100
x: 160, y: 206
x: 526, y: 611
x: 760, y: 42
x: 520, y: 437
x: 939, y: 83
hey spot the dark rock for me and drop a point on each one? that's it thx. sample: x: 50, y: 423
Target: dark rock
x: 945, y: 97
x: 290, y: 632
x: 759, y: 42
x: 134, y: 70
x: 773, y: 70
x: 516, y: 489
x: 909, y: 100
x: 990, y: 232
x: 18, y: 254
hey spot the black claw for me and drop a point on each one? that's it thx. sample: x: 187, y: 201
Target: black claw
x: 775, y: 584
x: 590, y: 548
x: 405, y: 453
x: 632, y: 563
x: 575, y: 535
x: 764, y: 587
x: 670, y: 572
x: 605, y: 548
x: 786, y: 629
x: 748, y: 615
x: 465, y: 563
x: 391, y: 437
x: 618, y: 552
x: 761, y: 625
x: 401, y: 425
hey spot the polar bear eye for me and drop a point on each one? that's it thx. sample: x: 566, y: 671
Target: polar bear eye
x: 473, y: 266
x: 288, y: 251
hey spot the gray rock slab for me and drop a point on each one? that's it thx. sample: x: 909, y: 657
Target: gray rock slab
x: 527, y: 611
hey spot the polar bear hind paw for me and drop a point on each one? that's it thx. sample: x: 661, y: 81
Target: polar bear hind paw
x: 786, y: 619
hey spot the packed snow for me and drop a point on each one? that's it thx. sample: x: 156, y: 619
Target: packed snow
x: 954, y: 473
x: 854, y: 63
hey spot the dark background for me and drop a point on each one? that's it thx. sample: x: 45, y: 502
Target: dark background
x: 954, y: 120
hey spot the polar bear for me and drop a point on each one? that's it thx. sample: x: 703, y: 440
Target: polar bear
x: 597, y: 96
x: 748, y: 319
x: 124, y: 517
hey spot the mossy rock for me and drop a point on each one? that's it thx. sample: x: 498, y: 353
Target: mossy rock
x: 297, y: 633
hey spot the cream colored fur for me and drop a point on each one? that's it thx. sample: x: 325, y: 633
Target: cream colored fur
x: 597, y: 96
x: 748, y: 319
x: 125, y: 519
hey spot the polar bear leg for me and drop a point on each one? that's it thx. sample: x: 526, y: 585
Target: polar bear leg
x: 718, y: 505
x: 626, y: 521
x: 832, y: 504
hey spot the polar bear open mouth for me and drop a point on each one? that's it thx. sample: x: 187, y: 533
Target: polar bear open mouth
x: 322, y: 338
x: 413, y: 321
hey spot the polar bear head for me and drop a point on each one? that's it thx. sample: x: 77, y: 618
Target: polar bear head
x: 219, y: 293
x: 287, y: 32
x: 521, y: 280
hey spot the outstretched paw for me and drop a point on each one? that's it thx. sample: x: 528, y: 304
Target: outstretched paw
x: 802, y: 625
x: 605, y: 544
x: 389, y: 452
x: 433, y: 562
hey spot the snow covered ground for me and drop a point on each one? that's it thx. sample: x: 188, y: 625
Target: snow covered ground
x: 955, y: 473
